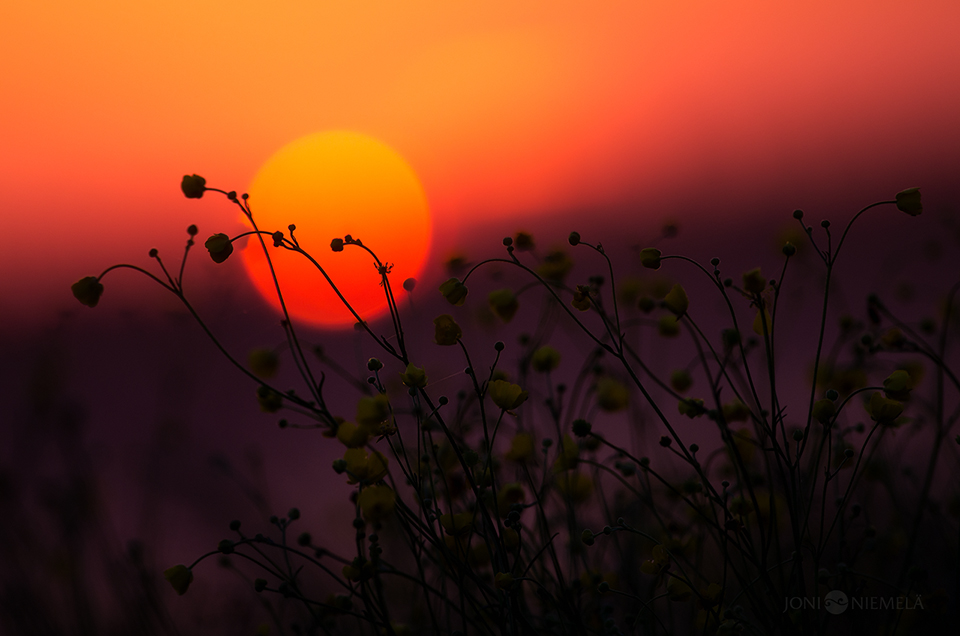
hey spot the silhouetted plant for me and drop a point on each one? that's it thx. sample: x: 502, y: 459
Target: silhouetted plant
x: 578, y: 533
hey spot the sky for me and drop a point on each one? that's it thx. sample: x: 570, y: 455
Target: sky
x: 509, y: 113
x: 610, y: 118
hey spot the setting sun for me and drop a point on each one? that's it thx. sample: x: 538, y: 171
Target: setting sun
x: 329, y: 185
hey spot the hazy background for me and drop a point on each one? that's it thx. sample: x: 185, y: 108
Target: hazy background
x: 543, y: 116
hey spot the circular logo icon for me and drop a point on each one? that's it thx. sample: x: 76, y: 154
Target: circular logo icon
x: 835, y: 602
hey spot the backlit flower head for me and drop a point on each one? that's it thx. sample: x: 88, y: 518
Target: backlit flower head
x: 506, y: 395
x: 454, y: 291
x: 503, y: 303
x: 193, y: 186
x: 376, y: 502
x: 650, y: 257
x: 365, y: 467
x: 219, y: 246
x: 446, y: 330
x: 87, y: 290
x: 909, y: 201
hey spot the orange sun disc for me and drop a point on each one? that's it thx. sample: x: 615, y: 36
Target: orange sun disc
x: 329, y: 185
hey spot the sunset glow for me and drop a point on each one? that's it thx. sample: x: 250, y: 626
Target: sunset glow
x: 331, y: 185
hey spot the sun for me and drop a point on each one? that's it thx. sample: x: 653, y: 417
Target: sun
x: 331, y: 184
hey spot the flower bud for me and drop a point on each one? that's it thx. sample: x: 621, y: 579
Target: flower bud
x: 650, y: 257
x: 909, y: 201
x: 754, y: 282
x: 503, y: 303
x: 446, y: 330
x: 574, y: 238
x: 336, y: 245
x: 179, y: 577
x: 414, y: 377
x: 454, y: 291
x: 581, y: 428
x: 680, y: 380
x: 264, y: 362
x: 587, y: 537
x: 193, y: 186
x: 219, y: 246
x: 676, y: 300
x: 523, y: 241
x: 789, y: 249
x: 87, y: 290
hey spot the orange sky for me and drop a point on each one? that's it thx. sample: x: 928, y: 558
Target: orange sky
x: 506, y: 110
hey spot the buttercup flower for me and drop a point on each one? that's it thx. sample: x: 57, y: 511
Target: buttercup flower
x: 754, y: 282
x: 736, y: 411
x: 678, y: 590
x: 359, y: 570
x: 909, y: 201
x: 270, y: 401
x: 883, y: 410
x: 575, y: 485
x: 897, y: 385
x: 691, y: 407
x: 219, y: 246
x: 668, y: 326
x: 824, y: 410
x: 377, y: 502
x: 759, y: 327
x: 743, y: 440
x: 446, y: 330
x: 351, y: 435
x: 508, y: 495
x: 454, y: 291
x: 545, y: 359
x: 503, y: 580
x: 658, y: 561
x: 650, y: 258
x: 521, y: 448
x: 581, y: 298
x: 179, y: 577
x: 193, y: 186
x: 612, y: 395
x: 569, y: 455
x: 555, y: 266
x: 457, y: 525
x: 87, y: 290
x: 263, y: 362
x: 506, y: 395
x: 372, y: 411
x: 364, y: 467
x: 503, y: 303
x: 680, y: 380
x: 414, y: 377
x: 676, y: 300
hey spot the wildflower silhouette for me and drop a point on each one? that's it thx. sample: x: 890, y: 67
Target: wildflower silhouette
x: 473, y: 515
